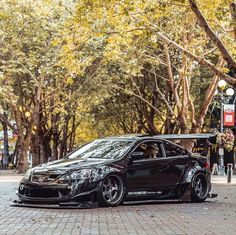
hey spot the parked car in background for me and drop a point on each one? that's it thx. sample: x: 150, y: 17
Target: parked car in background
x: 112, y: 170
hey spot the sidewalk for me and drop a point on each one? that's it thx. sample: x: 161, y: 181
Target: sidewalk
x: 10, y: 176
x: 222, y: 179
x: 9, y: 172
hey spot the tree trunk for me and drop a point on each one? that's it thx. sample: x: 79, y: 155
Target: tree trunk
x: 63, y: 145
x: 22, y: 157
x: 23, y: 141
x: 5, y: 139
x: 55, y: 144
x: 72, y: 136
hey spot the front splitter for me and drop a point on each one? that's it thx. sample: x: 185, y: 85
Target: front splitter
x: 63, y: 205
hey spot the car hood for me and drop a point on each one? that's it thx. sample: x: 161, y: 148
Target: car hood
x: 66, y: 164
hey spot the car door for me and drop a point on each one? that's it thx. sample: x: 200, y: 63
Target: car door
x: 146, y: 174
x: 159, y: 174
x: 177, y: 159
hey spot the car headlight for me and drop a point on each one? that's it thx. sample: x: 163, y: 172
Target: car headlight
x: 81, y: 175
x: 28, y: 174
x: 78, y: 175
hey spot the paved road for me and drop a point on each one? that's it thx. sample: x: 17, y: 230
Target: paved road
x: 215, y: 216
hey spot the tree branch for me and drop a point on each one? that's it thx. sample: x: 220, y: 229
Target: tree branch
x: 171, y: 77
x: 209, y: 95
x: 4, y: 119
x: 233, y: 15
x: 220, y: 45
x: 200, y: 60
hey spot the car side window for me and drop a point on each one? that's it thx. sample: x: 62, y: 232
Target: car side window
x: 172, y: 150
x: 147, y: 150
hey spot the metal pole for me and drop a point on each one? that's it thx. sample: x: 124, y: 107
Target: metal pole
x: 221, y: 116
x: 222, y: 168
x: 229, y: 172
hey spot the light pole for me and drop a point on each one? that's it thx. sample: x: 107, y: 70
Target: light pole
x: 2, y: 148
x: 229, y: 92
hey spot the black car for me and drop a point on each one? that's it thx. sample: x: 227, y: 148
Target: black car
x: 116, y: 169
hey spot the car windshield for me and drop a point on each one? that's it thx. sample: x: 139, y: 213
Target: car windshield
x: 104, y: 149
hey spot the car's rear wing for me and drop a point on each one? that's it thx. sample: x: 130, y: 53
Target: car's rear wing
x: 187, y: 136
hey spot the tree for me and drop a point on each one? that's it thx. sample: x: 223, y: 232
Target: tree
x: 36, y: 88
x: 162, y: 38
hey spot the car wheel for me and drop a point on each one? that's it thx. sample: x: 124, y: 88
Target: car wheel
x: 200, y: 188
x: 111, y: 191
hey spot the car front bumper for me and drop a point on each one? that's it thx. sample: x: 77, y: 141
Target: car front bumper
x: 55, y: 193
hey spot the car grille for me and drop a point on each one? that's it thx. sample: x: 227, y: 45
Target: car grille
x: 44, y: 178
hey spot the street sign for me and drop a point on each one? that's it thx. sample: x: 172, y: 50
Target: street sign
x: 229, y: 114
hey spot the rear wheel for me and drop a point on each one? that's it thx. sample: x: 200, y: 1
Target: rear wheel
x: 200, y: 188
x: 111, y: 191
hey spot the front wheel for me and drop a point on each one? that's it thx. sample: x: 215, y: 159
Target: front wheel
x: 200, y: 188
x: 111, y: 191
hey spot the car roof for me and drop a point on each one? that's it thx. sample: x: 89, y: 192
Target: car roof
x: 129, y: 136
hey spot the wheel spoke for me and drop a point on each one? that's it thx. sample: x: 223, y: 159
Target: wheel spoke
x: 114, y: 188
x: 104, y: 193
x: 198, y: 181
x: 107, y: 195
x: 109, y: 182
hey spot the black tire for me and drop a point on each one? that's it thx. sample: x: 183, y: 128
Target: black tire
x: 200, y: 188
x: 111, y: 191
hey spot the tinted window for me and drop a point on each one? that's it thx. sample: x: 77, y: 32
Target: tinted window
x: 147, y: 150
x: 105, y: 149
x: 172, y: 150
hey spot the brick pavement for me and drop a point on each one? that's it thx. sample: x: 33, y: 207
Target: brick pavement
x: 215, y: 216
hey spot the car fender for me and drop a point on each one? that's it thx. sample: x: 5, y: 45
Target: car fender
x: 188, y: 177
x: 193, y: 170
x: 112, y: 171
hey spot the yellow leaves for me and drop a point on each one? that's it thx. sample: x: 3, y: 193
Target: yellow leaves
x: 28, y: 114
x: 55, y: 42
x: 121, y: 31
x: 213, y: 10
x: 117, y: 20
x: 213, y: 4
x: 47, y: 1
x: 69, y: 80
x: 86, y: 132
x: 4, y: 16
x: 224, y: 70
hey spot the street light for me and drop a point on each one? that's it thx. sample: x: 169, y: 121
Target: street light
x: 228, y: 92
x: 222, y: 84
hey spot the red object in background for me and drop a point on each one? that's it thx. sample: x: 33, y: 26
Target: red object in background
x: 229, y: 115
x: 15, y: 136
